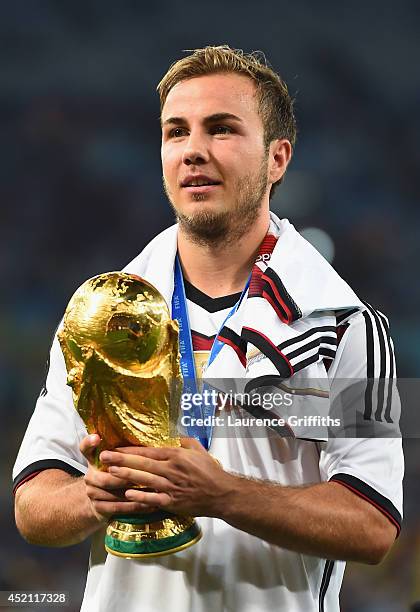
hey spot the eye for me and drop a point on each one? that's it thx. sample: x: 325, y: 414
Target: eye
x: 177, y: 132
x: 221, y: 129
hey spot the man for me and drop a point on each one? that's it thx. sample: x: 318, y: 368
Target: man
x: 280, y: 515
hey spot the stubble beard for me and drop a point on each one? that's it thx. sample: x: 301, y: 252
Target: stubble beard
x: 215, y: 229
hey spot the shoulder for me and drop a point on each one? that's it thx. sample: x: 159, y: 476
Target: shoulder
x: 364, y: 338
x: 364, y: 370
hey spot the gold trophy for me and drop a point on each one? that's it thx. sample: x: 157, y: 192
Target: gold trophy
x: 121, y: 351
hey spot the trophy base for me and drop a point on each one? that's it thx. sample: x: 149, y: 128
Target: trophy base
x: 150, y: 535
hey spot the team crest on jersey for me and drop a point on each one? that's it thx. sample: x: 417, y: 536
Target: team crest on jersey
x: 253, y: 356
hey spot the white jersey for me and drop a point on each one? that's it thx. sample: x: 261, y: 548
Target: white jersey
x: 230, y: 570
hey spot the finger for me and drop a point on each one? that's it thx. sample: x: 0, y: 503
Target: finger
x: 124, y: 507
x: 140, y: 478
x: 94, y: 493
x: 192, y: 444
x: 148, y: 498
x: 145, y: 508
x: 160, y: 454
x: 88, y: 446
x: 104, y: 480
x: 136, y: 462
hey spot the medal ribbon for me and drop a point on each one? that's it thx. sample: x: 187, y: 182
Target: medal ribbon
x: 189, y: 374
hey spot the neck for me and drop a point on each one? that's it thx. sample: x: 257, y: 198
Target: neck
x: 218, y: 270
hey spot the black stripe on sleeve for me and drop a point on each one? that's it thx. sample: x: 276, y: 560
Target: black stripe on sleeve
x: 370, y: 494
x: 310, y: 345
x: 382, y: 363
x: 307, y: 334
x: 303, y: 349
x: 383, y: 354
x: 344, y: 315
x: 370, y: 372
x: 326, y: 577
x: 306, y: 362
x: 44, y: 464
x: 388, y: 418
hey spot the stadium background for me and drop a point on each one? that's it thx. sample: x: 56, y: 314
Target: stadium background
x: 80, y: 192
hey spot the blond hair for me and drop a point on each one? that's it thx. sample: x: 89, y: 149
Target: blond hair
x: 275, y: 104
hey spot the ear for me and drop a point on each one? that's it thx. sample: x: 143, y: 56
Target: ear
x: 279, y: 157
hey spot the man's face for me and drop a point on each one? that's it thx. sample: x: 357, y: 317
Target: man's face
x: 213, y: 156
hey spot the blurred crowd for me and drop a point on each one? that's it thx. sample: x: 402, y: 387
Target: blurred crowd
x: 80, y: 193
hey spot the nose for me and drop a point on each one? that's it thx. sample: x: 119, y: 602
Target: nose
x: 195, y: 152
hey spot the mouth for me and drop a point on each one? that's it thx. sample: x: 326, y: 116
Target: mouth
x: 199, y: 184
x: 201, y: 188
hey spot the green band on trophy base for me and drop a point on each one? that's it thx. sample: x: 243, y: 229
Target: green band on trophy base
x: 153, y: 547
x: 142, y: 519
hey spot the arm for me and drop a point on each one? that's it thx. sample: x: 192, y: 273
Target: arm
x: 52, y: 509
x: 325, y: 520
x: 57, y: 509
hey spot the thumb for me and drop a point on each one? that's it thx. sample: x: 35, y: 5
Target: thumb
x: 89, y: 445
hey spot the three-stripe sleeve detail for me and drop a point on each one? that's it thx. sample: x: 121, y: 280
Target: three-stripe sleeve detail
x: 392, y: 368
x: 380, y: 366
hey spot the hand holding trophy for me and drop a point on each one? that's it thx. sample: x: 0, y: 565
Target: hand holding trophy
x: 120, y: 347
